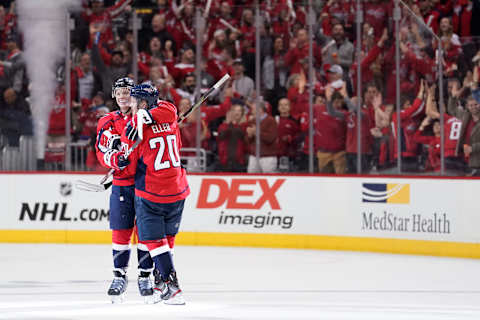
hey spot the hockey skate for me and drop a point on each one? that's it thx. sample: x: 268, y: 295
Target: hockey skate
x: 169, y: 290
x: 118, y: 287
x: 145, y: 288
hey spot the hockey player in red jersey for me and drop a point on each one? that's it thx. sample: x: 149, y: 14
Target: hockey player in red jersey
x: 160, y: 186
x: 122, y: 212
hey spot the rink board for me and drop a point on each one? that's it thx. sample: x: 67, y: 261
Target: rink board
x: 383, y: 214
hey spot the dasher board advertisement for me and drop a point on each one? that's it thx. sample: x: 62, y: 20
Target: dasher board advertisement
x: 424, y: 209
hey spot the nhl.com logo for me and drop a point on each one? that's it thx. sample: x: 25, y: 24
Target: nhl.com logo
x: 66, y: 189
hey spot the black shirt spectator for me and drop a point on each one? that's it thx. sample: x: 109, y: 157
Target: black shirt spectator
x: 15, y: 117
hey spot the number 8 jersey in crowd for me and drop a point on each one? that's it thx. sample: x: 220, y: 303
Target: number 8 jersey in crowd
x: 159, y: 175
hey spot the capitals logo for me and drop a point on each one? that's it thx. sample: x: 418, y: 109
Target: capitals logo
x: 386, y: 193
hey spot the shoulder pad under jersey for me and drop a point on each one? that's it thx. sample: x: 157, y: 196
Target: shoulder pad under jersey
x: 164, y: 112
x: 105, y: 121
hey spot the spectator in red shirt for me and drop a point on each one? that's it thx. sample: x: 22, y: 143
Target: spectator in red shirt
x: 288, y: 136
x: 376, y: 14
x: 297, y: 55
x: 371, y: 64
x: 217, y: 45
x: 183, y: 26
x: 409, y: 122
x: 102, y: 17
x: 462, y: 17
x: 367, y: 123
x: 87, y: 118
x: 331, y: 128
x: 224, y: 20
x: 56, y: 127
x: 167, y: 91
x: 188, y: 127
x: 184, y: 67
x: 247, y: 28
x: 337, y: 11
x: 429, y: 15
x: 232, y: 149
x: 281, y: 24
x: 268, y: 142
x: 432, y: 143
x: 297, y: 95
x: 451, y: 126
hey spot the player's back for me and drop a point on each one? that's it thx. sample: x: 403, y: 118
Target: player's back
x: 159, y: 175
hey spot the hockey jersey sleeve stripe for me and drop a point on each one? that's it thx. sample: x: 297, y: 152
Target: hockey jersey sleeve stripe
x: 99, y: 138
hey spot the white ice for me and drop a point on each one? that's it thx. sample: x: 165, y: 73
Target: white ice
x: 58, y: 282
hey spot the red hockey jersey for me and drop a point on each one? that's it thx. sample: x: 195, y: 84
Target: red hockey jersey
x: 409, y: 125
x: 109, y: 126
x: 452, y: 128
x: 159, y: 175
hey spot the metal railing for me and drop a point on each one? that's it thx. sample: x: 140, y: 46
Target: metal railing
x: 193, y: 159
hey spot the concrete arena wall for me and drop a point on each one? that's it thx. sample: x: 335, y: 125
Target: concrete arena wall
x: 431, y: 216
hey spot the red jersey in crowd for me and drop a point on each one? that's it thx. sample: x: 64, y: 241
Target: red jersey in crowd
x: 462, y: 17
x: 368, y: 122
x: 110, y: 127
x: 366, y: 72
x: 104, y: 20
x: 56, y: 124
x: 231, y: 143
x: 433, y: 143
x: 298, y: 101
x: 212, y: 112
x: 179, y: 70
x: 330, y: 131
x: 431, y: 20
x: 376, y: 15
x: 89, y: 119
x: 188, y: 131
x: 9, y: 25
x: 297, y: 57
x: 342, y: 11
x: 288, y: 129
x: 452, y: 128
x: 305, y: 127
x: 159, y: 175
x: 409, y: 125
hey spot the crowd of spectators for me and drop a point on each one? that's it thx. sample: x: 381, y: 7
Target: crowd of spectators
x: 102, y: 45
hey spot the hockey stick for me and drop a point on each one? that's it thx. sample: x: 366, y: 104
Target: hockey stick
x: 86, y: 186
x: 102, y: 186
x: 205, y: 96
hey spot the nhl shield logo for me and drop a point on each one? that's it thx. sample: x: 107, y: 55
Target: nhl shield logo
x: 65, y: 189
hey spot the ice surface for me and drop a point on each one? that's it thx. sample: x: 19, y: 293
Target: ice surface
x: 58, y: 282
